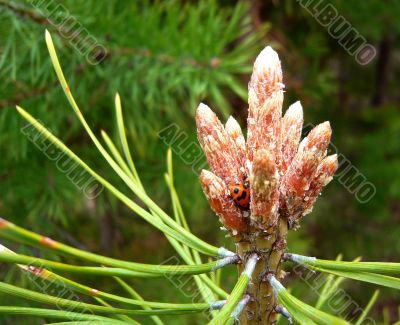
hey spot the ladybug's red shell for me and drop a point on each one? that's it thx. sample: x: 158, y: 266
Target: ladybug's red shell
x: 240, y: 194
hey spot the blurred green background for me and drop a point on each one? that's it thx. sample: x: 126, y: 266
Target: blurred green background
x: 164, y: 57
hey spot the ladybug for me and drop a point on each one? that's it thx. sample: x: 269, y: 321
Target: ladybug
x: 240, y: 194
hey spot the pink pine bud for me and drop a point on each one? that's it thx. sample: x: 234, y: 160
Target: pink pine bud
x: 265, y: 105
x: 283, y: 177
x: 303, y: 167
x: 292, y: 124
x: 323, y: 176
x: 219, y: 148
x: 264, y: 192
x: 217, y: 195
x: 267, y: 74
x: 234, y: 131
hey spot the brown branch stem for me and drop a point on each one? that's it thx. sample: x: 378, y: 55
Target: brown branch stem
x: 270, y: 248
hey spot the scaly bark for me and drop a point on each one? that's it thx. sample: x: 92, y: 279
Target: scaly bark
x: 270, y: 248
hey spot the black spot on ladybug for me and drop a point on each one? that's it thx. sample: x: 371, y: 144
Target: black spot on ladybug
x: 243, y: 196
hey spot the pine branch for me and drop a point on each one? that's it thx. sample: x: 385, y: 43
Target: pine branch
x: 234, y: 298
x: 39, y: 18
x: 59, y: 314
x: 136, y: 295
x: 20, y: 97
x: 371, y: 272
x: 300, y: 311
x: 86, y: 307
x: 355, y: 266
x: 25, y: 12
x: 21, y: 235
x: 53, y: 278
